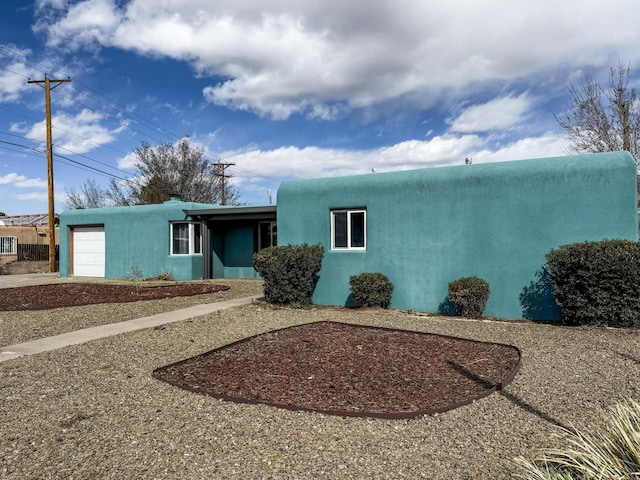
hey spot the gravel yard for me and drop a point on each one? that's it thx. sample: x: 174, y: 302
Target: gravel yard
x: 94, y: 411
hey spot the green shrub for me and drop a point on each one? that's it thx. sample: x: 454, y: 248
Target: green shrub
x: 290, y: 272
x: 469, y: 295
x: 597, y: 283
x: 371, y: 290
x: 612, y: 451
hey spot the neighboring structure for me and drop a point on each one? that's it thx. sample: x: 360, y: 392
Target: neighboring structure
x: 425, y: 228
x: 24, y: 239
x: 187, y: 240
x: 33, y: 220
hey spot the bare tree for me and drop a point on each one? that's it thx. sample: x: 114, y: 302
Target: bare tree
x: 91, y: 195
x: 167, y: 169
x: 603, y: 119
x: 181, y: 169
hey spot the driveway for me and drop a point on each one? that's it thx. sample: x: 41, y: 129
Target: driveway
x: 26, y: 279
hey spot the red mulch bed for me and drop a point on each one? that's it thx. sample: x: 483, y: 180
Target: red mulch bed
x: 349, y: 370
x: 44, y: 297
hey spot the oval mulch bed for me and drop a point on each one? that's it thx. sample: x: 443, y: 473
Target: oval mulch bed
x: 349, y: 370
x: 43, y: 297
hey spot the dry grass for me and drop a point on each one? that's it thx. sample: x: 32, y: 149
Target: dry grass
x: 611, y: 451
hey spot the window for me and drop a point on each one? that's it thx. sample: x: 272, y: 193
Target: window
x: 267, y: 235
x: 8, y: 245
x: 348, y: 229
x: 186, y: 238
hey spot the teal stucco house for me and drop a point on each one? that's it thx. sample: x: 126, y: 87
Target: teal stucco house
x: 422, y: 228
x: 187, y: 240
x: 425, y: 228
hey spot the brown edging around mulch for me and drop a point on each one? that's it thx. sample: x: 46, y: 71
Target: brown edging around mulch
x: 60, y: 295
x: 490, y: 388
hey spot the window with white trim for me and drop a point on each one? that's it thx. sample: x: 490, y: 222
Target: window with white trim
x: 349, y: 229
x: 8, y: 245
x: 186, y: 238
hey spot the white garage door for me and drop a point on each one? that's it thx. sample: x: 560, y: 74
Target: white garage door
x: 88, y: 251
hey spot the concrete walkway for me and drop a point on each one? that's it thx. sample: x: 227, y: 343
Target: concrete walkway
x: 87, y: 334
x: 27, y: 279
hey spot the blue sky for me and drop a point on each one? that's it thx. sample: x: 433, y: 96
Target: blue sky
x: 289, y: 89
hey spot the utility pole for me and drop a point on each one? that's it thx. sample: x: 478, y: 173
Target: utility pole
x: 223, y: 178
x: 46, y: 84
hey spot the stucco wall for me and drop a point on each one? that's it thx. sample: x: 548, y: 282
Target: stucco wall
x: 428, y: 227
x: 26, y: 235
x: 135, y: 237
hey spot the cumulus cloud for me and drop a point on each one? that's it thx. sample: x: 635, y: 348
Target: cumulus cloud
x: 254, y: 168
x: 12, y: 81
x: 498, y: 114
x: 39, y: 196
x: 81, y: 24
x: 79, y: 133
x: 280, y: 57
x: 13, y: 74
x: 20, y: 181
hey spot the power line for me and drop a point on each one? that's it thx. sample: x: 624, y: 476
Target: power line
x: 90, y: 167
x: 92, y: 159
x: 75, y: 163
x: 134, y: 116
x: 146, y: 123
x: 33, y: 150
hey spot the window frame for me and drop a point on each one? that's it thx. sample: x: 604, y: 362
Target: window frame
x: 272, y: 233
x: 194, y: 238
x: 350, y: 212
x: 12, y: 242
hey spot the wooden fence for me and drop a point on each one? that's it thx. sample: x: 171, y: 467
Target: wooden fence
x: 30, y: 252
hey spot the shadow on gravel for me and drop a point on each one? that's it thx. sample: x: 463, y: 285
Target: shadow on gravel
x: 513, y: 399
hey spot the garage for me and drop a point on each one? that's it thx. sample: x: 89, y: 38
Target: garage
x: 88, y: 251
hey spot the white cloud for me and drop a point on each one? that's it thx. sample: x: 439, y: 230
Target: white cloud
x: 79, y: 133
x: 498, y: 114
x: 258, y: 170
x: 20, y: 181
x: 548, y: 145
x: 14, y: 73
x: 280, y: 57
x: 12, y: 81
x: 83, y: 23
x: 128, y: 161
x: 40, y: 196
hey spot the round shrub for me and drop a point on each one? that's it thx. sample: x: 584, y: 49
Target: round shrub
x: 469, y: 295
x: 290, y: 272
x: 597, y: 283
x: 371, y: 290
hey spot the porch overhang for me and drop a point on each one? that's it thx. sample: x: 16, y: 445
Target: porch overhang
x: 260, y: 213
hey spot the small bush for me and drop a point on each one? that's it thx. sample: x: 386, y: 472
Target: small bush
x: 290, y: 272
x: 469, y: 295
x: 612, y: 451
x: 371, y: 290
x: 164, y: 276
x: 597, y: 283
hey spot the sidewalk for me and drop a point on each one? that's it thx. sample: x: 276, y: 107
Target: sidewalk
x: 85, y: 335
x: 27, y: 279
